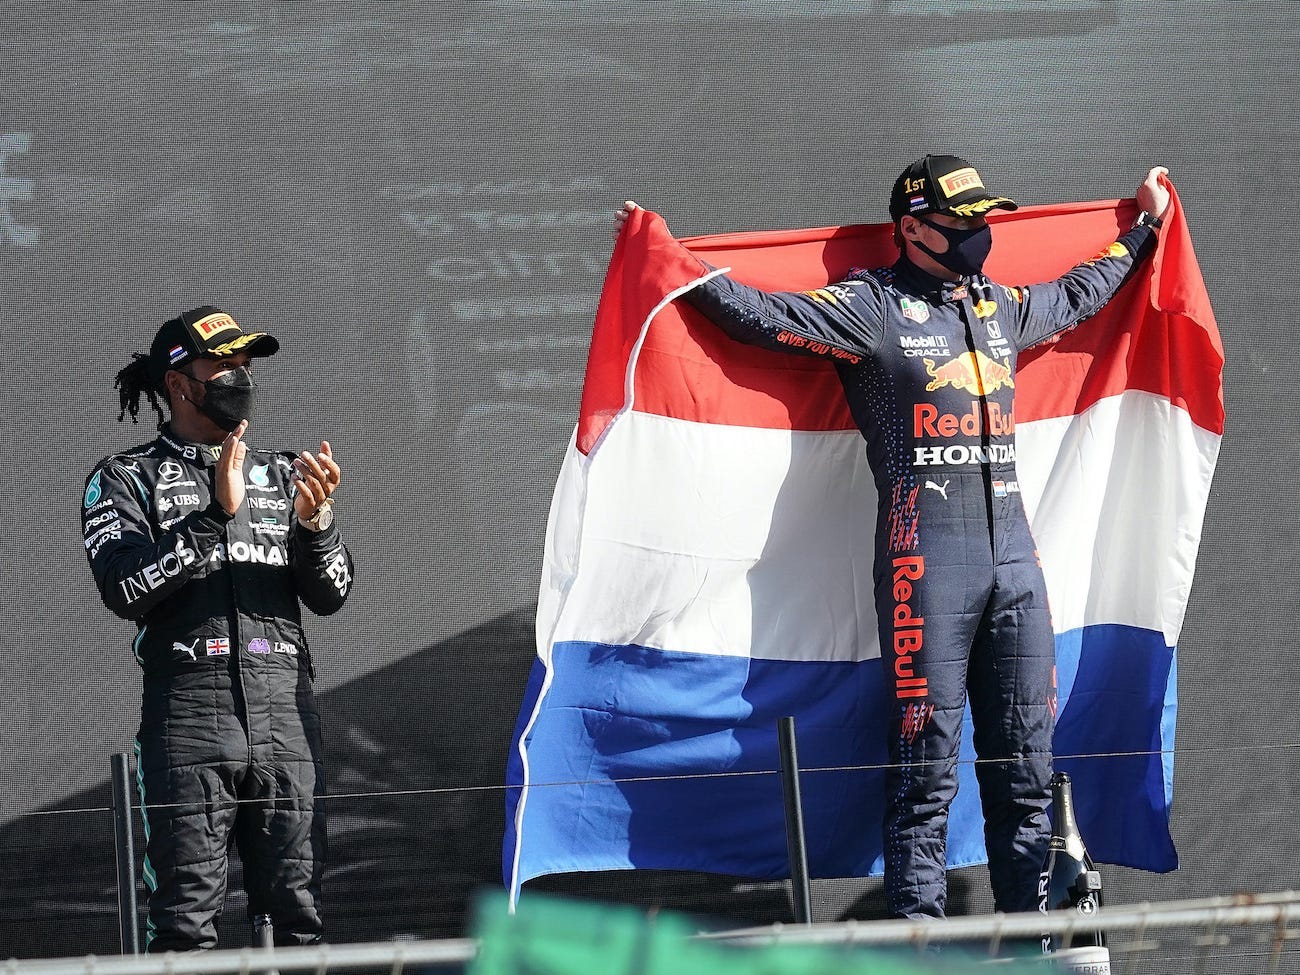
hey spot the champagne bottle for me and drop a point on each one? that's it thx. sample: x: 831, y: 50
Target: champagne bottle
x: 1070, y: 882
x: 263, y: 931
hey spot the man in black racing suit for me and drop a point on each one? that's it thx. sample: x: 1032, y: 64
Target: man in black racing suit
x: 926, y: 352
x: 208, y: 545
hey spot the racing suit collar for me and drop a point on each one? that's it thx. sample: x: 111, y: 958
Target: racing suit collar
x: 202, y: 454
x: 927, y: 285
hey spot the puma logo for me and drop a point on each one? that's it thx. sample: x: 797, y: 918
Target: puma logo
x: 942, y: 489
x: 182, y: 648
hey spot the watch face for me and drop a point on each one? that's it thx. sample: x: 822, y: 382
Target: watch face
x: 323, y: 518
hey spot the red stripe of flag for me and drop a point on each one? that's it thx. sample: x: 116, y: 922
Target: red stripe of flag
x: 1157, y: 335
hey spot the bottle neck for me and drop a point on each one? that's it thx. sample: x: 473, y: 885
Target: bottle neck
x: 1065, y: 828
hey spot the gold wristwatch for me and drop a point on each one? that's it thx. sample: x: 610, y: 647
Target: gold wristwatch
x: 321, y: 518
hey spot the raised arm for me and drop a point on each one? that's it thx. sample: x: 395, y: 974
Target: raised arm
x: 322, y: 565
x: 841, y: 322
x: 1055, y: 306
x: 135, y: 566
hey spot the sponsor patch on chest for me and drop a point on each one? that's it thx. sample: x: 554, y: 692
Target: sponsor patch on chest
x: 917, y: 311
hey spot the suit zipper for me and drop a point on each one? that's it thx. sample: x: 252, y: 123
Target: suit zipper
x: 986, y: 469
x: 236, y: 638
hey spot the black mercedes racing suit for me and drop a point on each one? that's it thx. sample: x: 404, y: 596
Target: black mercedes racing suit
x: 928, y: 370
x: 229, y: 731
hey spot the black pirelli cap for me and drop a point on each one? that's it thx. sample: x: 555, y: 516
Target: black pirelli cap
x: 943, y: 184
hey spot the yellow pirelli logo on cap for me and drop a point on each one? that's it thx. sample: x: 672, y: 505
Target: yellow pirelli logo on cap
x: 214, y: 324
x: 962, y: 179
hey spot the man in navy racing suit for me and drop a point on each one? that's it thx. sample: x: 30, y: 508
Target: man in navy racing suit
x: 926, y: 352
x: 208, y: 545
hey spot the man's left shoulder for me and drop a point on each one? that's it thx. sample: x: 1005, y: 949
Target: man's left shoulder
x: 880, y: 276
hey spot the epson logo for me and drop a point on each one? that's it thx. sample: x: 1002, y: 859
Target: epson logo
x: 100, y: 519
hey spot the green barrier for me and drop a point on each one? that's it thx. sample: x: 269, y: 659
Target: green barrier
x: 551, y: 936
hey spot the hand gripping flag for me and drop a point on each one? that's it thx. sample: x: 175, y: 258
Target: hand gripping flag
x: 708, y: 564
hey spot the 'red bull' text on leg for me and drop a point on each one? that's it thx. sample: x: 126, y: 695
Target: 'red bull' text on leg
x: 908, y: 627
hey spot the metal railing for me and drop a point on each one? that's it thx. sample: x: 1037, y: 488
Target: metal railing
x: 1196, y: 927
x: 392, y: 956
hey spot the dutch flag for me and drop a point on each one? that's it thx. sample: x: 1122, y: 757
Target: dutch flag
x: 708, y: 564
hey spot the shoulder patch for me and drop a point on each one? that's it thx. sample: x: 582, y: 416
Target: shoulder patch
x: 1110, y: 250
x: 93, y: 490
x: 832, y: 294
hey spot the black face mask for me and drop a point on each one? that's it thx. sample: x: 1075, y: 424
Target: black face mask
x: 967, y: 249
x: 228, y: 399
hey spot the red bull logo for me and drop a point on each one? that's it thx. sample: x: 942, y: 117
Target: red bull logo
x: 973, y: 372
x: 927, y: 421
x: 908, y: 628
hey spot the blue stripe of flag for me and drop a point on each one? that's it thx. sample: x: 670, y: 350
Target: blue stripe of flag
x: 627, y: 712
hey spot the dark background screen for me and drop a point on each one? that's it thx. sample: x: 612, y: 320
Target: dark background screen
x: 416, y: 199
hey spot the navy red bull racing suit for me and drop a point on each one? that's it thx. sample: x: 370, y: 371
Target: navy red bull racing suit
x: 229, y: 732
x: 928, y: 370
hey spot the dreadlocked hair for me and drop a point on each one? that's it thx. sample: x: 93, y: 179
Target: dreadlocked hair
x: 131, y: 382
